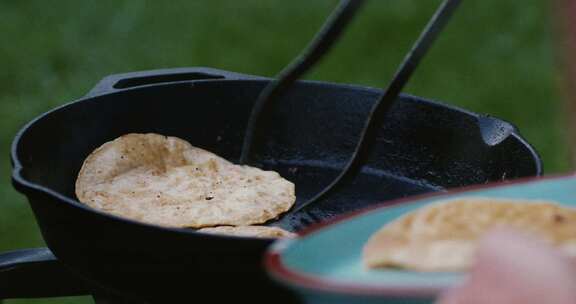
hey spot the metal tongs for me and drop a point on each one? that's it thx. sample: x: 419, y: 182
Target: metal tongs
x: 320, y: 46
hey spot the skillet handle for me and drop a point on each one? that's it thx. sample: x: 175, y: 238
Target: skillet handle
x: 36, y: 273
x: 118, y: 82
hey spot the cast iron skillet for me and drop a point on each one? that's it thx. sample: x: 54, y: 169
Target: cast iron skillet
x: 423, y: 147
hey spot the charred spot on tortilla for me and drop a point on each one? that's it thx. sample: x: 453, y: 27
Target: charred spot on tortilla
x: 249, y: 231
x: 443, y: 236
x: 166, y: 181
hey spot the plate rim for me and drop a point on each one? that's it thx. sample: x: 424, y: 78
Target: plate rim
x: 302, y: 280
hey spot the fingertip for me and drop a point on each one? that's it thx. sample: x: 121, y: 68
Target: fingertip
x: 509, y: 260
x: 452, y: 296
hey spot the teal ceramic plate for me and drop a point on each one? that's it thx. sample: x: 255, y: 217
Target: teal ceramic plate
x: 324, y: 263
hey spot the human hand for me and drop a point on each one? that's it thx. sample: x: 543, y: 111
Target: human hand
x: 513, y: 268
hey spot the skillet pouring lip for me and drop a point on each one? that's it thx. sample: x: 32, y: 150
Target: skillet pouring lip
x: 283, y: 273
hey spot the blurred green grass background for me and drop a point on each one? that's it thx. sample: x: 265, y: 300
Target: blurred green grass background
x: 496, y: 57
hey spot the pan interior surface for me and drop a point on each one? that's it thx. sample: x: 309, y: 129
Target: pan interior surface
x: 369, y: 187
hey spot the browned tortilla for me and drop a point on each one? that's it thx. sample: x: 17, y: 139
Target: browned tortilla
x: 250, y: 231
x: 443, y: 236
x: 166, y: 181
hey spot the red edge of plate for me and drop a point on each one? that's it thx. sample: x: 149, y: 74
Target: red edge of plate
x: 279, y: 271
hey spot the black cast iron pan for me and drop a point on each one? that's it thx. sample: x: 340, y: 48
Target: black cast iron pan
x: 424, y: 146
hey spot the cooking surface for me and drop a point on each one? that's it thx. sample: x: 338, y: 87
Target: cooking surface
x: 370, y: 187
